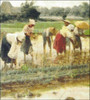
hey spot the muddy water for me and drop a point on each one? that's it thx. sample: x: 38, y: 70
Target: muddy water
x: 75, y: 92
x: 48, y: 59
x: 70, y: 58
x: 78, y: 88
x: 51, y: 59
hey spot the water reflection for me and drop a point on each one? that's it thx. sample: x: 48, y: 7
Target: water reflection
x: 70, y: 58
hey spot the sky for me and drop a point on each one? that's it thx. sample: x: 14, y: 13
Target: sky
x: 49, y: 3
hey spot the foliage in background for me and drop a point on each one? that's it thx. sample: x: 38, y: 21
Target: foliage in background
x: 81, y: 10
x: 28, y: 10
x: 56, y: 11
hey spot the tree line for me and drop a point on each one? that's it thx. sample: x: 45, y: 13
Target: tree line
x: 28, y: 10
x: 80, y: 11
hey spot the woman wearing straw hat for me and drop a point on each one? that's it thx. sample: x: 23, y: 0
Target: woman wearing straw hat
x: 27, y: 45
x: 80, y: 27
x: 75, y: 39
x: 29, y: 28
x: 60, y: 39
x: 66, y: 22
x: 78, y: 31
x: 70, y: 27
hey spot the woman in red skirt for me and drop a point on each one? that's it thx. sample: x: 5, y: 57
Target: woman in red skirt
x: 60, y: 39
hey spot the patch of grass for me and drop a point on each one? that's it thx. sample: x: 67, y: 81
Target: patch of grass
x: 24, y: 68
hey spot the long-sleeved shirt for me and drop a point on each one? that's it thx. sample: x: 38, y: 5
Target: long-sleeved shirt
x: 78, y: 31
x: 12, y: 39
x: 67, y: 33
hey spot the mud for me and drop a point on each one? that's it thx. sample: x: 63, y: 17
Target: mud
x: 69, y: 58
x: 51, y: 59
x: 56, y: 90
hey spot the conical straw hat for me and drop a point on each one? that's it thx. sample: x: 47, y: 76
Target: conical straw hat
x: 82, y: 25
x: 67, y: 21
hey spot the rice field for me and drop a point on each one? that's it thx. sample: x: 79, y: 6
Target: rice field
x: 39, y: 27
x: 45, y: 70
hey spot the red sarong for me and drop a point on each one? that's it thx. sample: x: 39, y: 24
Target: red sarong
x: 59, y: 43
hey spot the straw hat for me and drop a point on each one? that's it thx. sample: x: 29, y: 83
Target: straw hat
x: 29, y: 27
x: 31, y: 22
x: 82, y: 25
x: 67, y: 21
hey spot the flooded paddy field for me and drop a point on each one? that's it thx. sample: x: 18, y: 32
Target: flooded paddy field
x: 77, y: 88
x: 70, y: 58
x: 49, y: 72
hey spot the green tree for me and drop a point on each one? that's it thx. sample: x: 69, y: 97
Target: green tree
x: 29, y: 11
x: 56, y: 11
x: 43, y: 11
x: 81, y: 10
x: 85, y: 12
x: 65, y: 13
x: 75, y: 11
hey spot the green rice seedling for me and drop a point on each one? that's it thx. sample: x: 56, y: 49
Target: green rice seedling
x: 42, y: 74
x: 24, y: 68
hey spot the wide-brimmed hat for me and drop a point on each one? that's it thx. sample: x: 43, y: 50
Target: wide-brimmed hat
x: 31, y: 22
x: 67, y: 21
x: 82, y: 25
x: 29, y: 27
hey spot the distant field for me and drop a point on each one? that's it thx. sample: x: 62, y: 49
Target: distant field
x: 39, y: 27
